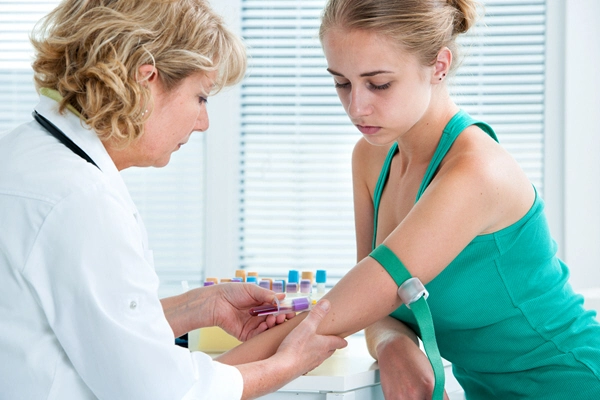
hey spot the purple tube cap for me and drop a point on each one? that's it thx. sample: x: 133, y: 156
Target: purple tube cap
x: 300, y: 303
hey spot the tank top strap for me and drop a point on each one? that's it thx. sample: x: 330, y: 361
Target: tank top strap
x: 458, y: 123
x: 383, y: 177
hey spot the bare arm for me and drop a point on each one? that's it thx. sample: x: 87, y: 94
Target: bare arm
x: 350, y: 312
x: 300, y: 352
x: 385, y: 331
x: 405, y: 370
x: 364, y: 230
x: 470, y: 195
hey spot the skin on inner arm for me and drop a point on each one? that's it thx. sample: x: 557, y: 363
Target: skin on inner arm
x: 353, y: 307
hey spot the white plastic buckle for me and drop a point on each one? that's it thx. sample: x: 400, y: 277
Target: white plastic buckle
x: 412, y: 290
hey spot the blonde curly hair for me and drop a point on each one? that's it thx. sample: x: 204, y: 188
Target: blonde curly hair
x: 90, y: 52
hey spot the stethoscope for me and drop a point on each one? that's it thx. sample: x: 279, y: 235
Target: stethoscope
x: 58, y: 134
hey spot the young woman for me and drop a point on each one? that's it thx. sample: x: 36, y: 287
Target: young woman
x: 437, y: 198
x: 123, y: 83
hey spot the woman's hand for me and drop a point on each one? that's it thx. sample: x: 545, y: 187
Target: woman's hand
x: 226, y: 305
x: 305, y: 346
x: 231, y: 307
x: 301, y: 351
x: 404, y: 369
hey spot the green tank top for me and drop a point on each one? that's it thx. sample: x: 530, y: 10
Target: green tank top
x: 505, y: 315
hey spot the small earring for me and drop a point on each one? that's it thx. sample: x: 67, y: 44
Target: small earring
x: 144, y: 112
x: 442, y: 76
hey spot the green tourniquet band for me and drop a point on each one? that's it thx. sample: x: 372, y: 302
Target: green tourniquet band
x: 423, y: 316
x: 392, y: 264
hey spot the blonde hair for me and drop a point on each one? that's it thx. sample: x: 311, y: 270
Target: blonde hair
x: 90, y: 51
x: 421, y: 27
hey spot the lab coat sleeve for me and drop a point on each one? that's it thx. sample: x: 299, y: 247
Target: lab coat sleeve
x: 98, y: 289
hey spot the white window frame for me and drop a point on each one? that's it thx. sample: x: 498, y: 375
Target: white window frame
x: 581, y: 140
x: 222, y: 168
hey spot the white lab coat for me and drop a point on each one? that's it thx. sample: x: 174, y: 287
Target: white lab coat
x: 79, y: 312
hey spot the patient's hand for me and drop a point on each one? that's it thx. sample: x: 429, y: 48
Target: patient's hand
x: 404, y: 369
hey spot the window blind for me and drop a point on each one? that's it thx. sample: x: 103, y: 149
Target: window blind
x: 170, y: 199
x: 296, y: 197
x: 171, y: 202
x: 17, y: 18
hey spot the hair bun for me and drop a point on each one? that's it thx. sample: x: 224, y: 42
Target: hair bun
x: 466, y: 16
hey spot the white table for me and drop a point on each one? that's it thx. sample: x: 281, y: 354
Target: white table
x: 349, y: 374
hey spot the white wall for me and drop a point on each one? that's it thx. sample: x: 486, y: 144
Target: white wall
x: 582, y: 142
x: 222, y: 160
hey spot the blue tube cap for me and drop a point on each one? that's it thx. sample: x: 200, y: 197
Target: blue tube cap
x: 293, y: 276
x: 321, y: 276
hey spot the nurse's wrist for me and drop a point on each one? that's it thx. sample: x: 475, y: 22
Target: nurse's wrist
x: 200, y: 307
x: 265, y: 376
x: 188, y: 311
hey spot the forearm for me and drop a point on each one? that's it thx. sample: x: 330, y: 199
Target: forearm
x: 299, y: 352
x: 353, y: 307
x: 186, y: 312
x: 261, y: 346
x: 388, y: 331
x: 263, y: 377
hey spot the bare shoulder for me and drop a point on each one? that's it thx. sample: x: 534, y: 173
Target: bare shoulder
x: 482, y: 169
x: 367, y: 160
x: 479, y: 156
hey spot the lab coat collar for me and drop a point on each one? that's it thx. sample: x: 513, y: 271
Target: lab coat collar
x: 84, y: 137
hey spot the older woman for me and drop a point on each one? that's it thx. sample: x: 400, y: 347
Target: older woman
x: 122, y: 83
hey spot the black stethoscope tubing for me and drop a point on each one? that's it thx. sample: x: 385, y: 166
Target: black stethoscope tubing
x: 58, y: 134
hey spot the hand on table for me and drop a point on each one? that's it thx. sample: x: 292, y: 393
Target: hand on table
x: 404, y: 369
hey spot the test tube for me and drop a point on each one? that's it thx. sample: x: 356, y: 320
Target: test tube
x: 321, y: 279
x: 241, y: 273
x: 270, y: 282
x: 308, y: 275
x: 265, y: 283
x: 285, y: 306
x: 305, y: 286
x: 278, y: 286
x: 293, y: 276
x: 291, y: 289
